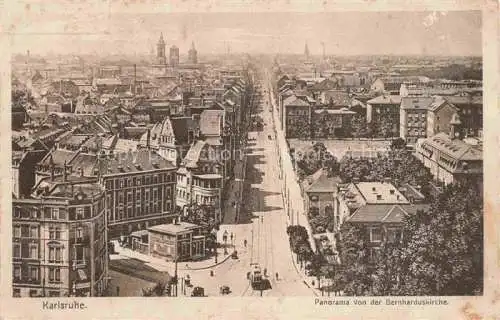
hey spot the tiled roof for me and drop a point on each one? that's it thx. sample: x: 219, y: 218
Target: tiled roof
x: 193, y: 155
x: 134, y: 161
x: 456, y: 149
x: 384, y: 213
x: 58, y: 157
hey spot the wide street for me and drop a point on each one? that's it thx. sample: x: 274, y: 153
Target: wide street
x: 262, y: 223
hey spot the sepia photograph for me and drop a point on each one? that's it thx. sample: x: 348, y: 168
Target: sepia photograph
x: 328, y: 155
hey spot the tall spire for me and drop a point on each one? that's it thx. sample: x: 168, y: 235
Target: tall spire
x: 306, y: 51
x: 161, y: 41
x: 192, y: 45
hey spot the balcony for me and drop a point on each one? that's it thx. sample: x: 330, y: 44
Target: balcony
x: 83, y: 240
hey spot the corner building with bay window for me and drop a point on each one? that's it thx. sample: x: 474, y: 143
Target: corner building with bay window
x: 59, y: 240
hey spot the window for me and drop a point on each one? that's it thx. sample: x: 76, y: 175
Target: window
x: 33, y: 232
x: 79, y: 213
x: 55, y: 213
x: 79, y: 232
x: 375, y: 234
x: 54, y: 274
x: 393, y: 235
x: 34, y: 273
x: 17, y: 272
x: 16, y: 250
x: 17, y: 231
x: 33, y: 251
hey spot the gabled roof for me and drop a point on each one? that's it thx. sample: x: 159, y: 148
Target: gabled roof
x: 320, y: 182
x: 456, y: 149
x: 382, y: 213
x: 439, y: 102
x: 193, y: 155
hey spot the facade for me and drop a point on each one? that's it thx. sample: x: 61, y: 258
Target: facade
x: 385, y: 108
x: 382, y: 223
x: 330, y: 123
x: 439, y: 116
x: 140, y: 190
x: 470, y: 108
x: 449, y: 158
x: 320, y: 192
x: 200, y: 178
x: 413, y: 118
x: 179, y: 241
x: 296, y: 117
x: 59, y: 240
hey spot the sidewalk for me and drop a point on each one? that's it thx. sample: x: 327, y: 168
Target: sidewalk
x: 169, y: 266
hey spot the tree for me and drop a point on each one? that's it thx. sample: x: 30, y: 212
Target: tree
x: 317, y: 262
x: 398, y: 143
x: 443, y: 252
x: 355, y: 274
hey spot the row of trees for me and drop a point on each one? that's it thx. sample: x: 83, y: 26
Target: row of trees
x: 398, y: 164
x: 441, y: 252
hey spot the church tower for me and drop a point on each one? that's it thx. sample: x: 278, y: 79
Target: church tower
x: 306, y: 52
x: 160, y: 51
x: 192, y: 55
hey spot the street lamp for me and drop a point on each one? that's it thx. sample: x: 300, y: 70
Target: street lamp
x: 224, y: 237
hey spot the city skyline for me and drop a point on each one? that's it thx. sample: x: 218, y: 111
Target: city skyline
x: 456, y: 33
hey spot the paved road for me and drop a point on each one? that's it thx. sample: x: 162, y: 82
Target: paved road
x: 262, y: 224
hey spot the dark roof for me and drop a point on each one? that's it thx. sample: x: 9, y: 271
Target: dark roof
x: 384, y: 213
x: 134, y: 161
x: 58, y: 157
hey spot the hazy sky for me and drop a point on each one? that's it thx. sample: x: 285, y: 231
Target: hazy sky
x: 433, y: 33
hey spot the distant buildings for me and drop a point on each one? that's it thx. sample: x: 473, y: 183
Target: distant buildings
x: 174, y: 56
x: 192, y: 55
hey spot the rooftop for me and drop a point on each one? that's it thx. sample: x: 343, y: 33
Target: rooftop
x: 172, y: 228
x: 385, y: 213
x: 457, y: 149
x: 380, y: 193
x: 386, y: 99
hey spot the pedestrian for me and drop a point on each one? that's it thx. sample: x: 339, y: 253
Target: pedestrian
x: 245, y: 243
x: 265, y: 272
x: 231, y: 236
x: 276, y: 276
